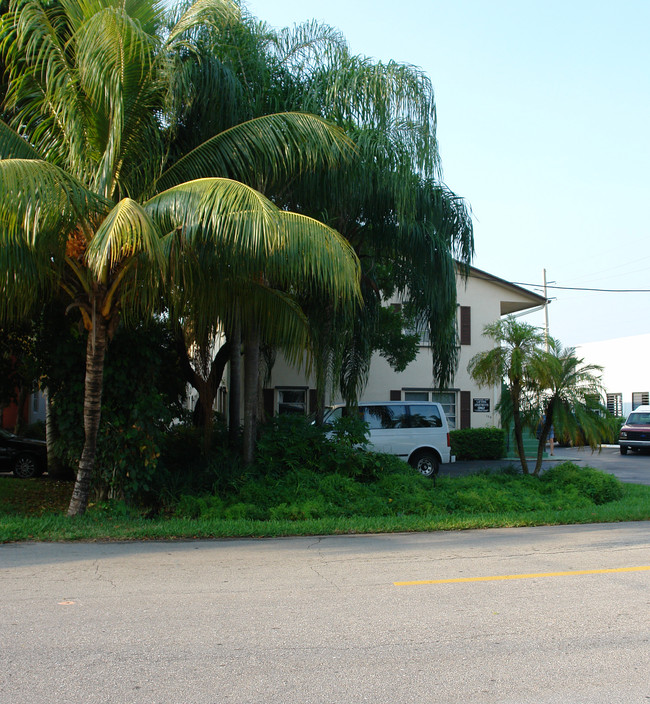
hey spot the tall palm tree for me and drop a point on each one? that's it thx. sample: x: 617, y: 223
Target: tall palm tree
x: 93, y: 200
x: 513, y: 360
x: 390, y: 203
x: 568, y: 393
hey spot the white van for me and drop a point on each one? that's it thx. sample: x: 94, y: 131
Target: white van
x: 417, y: 431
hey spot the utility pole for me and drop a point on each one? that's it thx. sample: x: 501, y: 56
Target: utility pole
x: 545, y: 313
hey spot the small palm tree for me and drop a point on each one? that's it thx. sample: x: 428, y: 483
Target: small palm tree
x: 568, y: 393
x: 517, y: 348
x: 94, y: 202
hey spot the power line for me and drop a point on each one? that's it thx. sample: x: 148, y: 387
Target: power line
x: 577, y: 288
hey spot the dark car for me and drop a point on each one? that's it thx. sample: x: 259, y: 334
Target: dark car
x: 635, y: 434
x: 25, y: 457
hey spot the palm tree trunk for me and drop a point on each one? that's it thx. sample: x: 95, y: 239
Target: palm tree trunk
x: 546, y: 427
x: 55, y: 469
x: 251, y: 378
x: 234, y: 386
x: 95, y: 352
x: 518, y: 429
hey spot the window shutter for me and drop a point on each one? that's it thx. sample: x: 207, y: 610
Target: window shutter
x: 465, y: 325
x: 396, y: 395
x: 465, y: 409
x: 313, y: 400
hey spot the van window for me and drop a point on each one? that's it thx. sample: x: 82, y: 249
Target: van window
x: 425, y: 416
x: 385, y: 417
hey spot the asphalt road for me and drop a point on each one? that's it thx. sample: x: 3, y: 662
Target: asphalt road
x: 536, y: 615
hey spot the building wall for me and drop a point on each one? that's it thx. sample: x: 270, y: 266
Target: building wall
x: 486, y: 298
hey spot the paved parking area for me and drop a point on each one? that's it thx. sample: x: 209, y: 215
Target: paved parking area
x: 633, y: 467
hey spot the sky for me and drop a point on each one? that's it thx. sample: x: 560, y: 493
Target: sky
x: 544, y: 128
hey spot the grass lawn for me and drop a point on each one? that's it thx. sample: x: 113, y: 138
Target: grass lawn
x: 34, y: 509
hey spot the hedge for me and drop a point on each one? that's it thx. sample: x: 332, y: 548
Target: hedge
x: 478, y: 443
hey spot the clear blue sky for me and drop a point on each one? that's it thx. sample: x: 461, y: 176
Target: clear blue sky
x: 544, y: 127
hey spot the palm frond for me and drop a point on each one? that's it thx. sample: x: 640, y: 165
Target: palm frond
x: 42, y: 91
x: 38, y: 201
x: 263, y: 150
x: 314, y: 258
x: 223, y: 219
x: 203, y: 13
x: 14, y: 146
x: 127, y: 231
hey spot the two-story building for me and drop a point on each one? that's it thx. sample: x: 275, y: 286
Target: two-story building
x: 482, y: 299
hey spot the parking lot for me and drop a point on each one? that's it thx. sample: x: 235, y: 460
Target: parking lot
x: 633, y: 467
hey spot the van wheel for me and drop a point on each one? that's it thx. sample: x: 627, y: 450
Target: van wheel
x: 426, y: 462
x: 623, y: 450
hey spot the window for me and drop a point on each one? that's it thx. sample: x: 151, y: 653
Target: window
x: 292, y: 401
x: 615, y: 404
x: 425, y: 417
x: 447, y: 399
x: 385, y: 417
x: 639, y: 398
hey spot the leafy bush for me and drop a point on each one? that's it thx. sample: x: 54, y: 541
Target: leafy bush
x: 291, y: 442
x: 141, y: 394
x: 478, y: 443
x: 597, y: 486
x: 185, y: 469
x: 303, y: 494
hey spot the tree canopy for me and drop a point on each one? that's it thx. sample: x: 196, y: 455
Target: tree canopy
x: 95, y: 202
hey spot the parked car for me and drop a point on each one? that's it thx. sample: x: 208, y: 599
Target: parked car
x: 635, y: 434
x: 417, y: 431
x: 25, y: 457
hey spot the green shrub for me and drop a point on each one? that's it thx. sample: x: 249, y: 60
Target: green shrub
x: 185, y: 469
x: 292, y: 442
x: 599, y: 487
x: 478, y: 443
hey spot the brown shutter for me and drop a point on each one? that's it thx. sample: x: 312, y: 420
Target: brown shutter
x: 313, y: 400
x: 465, y: 409
x: 465, y: 325
x: 268, y: 396
x: 396, y: 395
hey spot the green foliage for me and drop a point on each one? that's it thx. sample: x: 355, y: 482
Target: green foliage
x: 598, y: 487
x: 399, y: 490
x: 292, y: 442
x: 185, y: 469
x: 612, y: 428
x: 33, y: 509
x: 141, y: 395
x: 478, y: 443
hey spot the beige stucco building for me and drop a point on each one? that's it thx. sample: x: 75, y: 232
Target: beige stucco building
x: 482, y: 299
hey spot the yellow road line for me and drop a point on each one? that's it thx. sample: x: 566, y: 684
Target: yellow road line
x: 520, y: 576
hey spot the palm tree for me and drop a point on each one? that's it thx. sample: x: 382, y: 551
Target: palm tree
x: 513, y: 360
x: 94, y: 202
x: 568, y: 393
x: 404, y: 223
